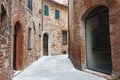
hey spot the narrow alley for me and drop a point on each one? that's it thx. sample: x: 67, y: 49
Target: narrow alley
x: 38, y: 36
x: 54, y: 68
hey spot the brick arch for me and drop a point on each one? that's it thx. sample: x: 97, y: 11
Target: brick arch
x: 16, y: 19
x: 18, y: 43
x: 87, y: 11
x: 110, y: 4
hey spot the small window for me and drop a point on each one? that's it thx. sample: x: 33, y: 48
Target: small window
x: 57, y: 14
x: 29, y: 38
x: 46, y: 10
x: 64, y: 52
x: 30, y: 4
x: 64, y: 37
x: 1, y: 63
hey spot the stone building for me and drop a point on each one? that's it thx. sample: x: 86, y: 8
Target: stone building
x: 54, y: 35
x: 20, y: 22
x: 5, y: 41
x: 26, y: 23
x: 26, y: 33
x: 95, y: 36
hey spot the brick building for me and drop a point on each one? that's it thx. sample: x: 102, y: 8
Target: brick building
x: 54, y: 33
x: 95, y: 36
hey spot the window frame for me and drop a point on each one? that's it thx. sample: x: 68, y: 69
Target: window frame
x: 57, y: 14
x: 46, y: 10
x: 30, y: 4
x: 64, y: 37
x: 29, y: 38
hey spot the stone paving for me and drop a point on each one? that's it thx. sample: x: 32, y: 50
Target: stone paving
x: 54, y: 68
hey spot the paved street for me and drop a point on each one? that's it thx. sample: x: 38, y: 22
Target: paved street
x: 54, y: 68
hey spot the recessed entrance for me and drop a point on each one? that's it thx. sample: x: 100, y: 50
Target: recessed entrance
x: 45, y: 45
x: 98, y: 40
x: 18, y: 47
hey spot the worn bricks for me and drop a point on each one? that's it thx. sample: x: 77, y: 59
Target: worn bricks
x: 78, y: 10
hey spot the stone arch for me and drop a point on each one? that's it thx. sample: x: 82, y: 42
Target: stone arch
x: 49, y: 41
x: 18, y: 43
x: 45, y: 44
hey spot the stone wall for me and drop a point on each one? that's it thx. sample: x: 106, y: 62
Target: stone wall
x: 15, y: 19
x: 78, y: 11
x: 54, y: 27
x: 13, y: 12
x: 28, y: 19
x: 5, y: 41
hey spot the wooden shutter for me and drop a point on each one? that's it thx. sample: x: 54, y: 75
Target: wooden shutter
x: 57, y: 14
x: 46, y: 10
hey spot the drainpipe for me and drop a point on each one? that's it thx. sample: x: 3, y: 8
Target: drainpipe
x: 68, y: 31
x: 42, y: 14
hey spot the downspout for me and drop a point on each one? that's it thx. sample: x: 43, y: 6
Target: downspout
x: 68, y: 31
x: 42, y: 15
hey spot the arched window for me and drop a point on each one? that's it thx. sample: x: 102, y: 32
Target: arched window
x: 29, y: 39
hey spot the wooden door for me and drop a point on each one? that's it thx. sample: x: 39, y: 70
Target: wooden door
x: 45, y: 44
x: 15, y: 48
x: 18, y: 47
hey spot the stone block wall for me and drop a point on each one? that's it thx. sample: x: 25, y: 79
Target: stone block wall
x: 5, y: 41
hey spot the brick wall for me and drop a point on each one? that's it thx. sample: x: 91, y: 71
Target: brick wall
x: 80, y: 10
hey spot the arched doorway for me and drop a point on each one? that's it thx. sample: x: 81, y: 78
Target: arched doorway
x: 98, y: 40
x: 18, y: 47
x: 45, y: 45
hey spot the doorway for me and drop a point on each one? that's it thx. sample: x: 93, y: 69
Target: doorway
x: 45, y: 45
x: 18, y: 47
x: 98, y: 40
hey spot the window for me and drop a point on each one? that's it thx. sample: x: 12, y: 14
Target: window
x: 30, y: 4
x: 64, y: 37
x: 46, y: 10
x: 57, y: 14
x: 29, y: 39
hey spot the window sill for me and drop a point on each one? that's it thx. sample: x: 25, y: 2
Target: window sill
x: 29, y: 11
